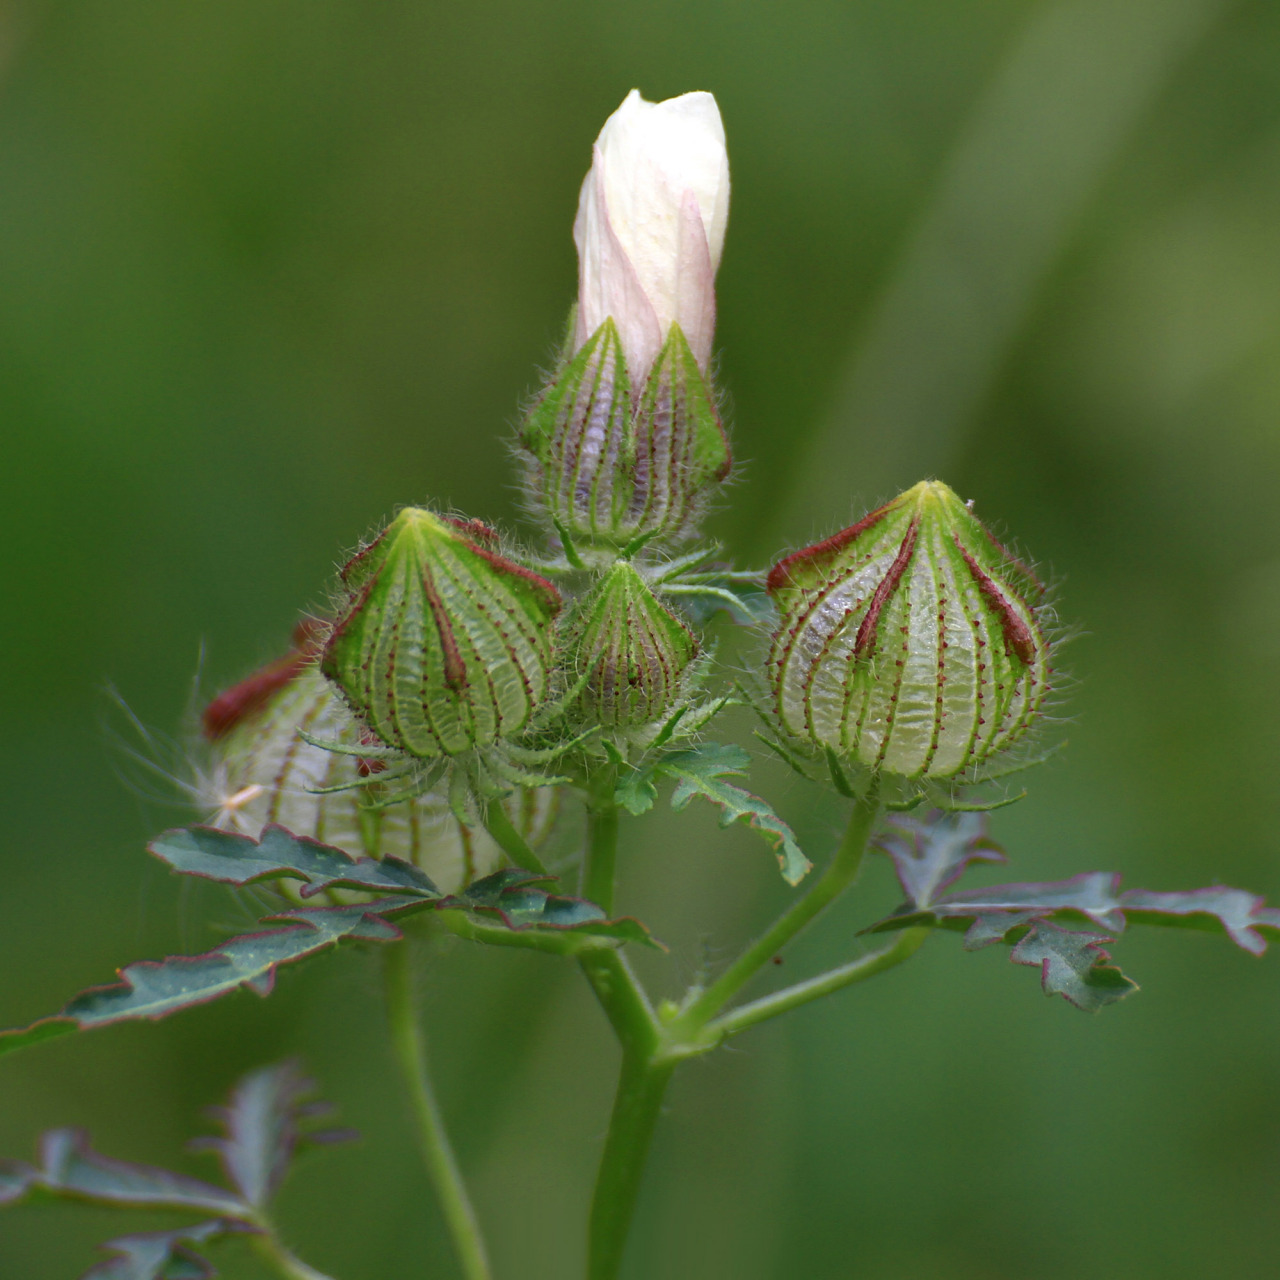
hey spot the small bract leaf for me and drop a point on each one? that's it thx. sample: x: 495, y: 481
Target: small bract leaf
x: 444, y: 645
x: 627, y: 650
x: 910, y: 642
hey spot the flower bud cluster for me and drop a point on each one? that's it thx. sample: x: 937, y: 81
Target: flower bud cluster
x: 910, y: 643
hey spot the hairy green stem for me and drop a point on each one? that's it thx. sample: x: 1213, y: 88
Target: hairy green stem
x: 433, y: 1142
x: 838, y: 876
x: 770, y: 1006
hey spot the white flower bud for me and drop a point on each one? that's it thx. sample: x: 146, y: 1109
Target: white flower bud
x: 650, y: 226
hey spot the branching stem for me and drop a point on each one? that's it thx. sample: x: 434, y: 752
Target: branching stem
x: 838, y: 876
x: 410, y: 1050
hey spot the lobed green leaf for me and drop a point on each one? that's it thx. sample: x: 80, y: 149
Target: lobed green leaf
x: 701, y: 771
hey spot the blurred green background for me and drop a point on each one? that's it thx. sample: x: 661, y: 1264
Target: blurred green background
x: 269, y: 268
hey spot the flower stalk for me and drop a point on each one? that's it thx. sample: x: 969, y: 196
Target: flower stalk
x: 409, y: 1047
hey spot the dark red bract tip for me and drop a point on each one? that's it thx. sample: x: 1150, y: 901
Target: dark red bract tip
x: 242, y: 700
x: 780, y: 574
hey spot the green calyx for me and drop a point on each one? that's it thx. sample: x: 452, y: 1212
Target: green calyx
x: 609, y: 461
x: 444, y: 645
x: 628, y: 651
x: 910, y: 643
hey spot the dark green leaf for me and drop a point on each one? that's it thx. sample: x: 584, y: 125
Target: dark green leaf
x: 512, y: 896
x: 155, y: 989
x: 162, y: 1255
x: 236, y: 859
x: 263, y: 1124
x: 701, y: 771
x: 1072, y: 965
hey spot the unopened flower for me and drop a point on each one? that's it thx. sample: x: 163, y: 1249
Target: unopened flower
x: 627, y: 442
x: 910, y: 643
x: 650, y: 227
x: 444, y: 645
x: 263, y: 771
x: 629, y: 651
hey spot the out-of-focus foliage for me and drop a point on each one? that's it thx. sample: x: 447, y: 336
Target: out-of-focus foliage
x: 270, y: 268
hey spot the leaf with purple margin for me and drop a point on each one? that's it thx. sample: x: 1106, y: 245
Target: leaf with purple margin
x: 1235, y: 912
x: 155, y: 989
x: 162, y: 1255
x: 70, y: 1168
x: 263, y: 1127
x: 236, y: 859
x: 512, y: 897
x: 931, y: 852
x: 1072, y: 965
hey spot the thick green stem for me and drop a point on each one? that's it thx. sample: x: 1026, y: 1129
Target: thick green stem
x: 838, y: 876
x: 770, y: 1006
x: 599, y: 870
x: 433, y: 1142
x: 636, y: 1107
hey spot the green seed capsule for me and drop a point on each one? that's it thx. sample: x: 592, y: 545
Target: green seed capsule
x: 264, y: 771
x: 632, y: 651
x: 445, y: 645
x: 910, y: 642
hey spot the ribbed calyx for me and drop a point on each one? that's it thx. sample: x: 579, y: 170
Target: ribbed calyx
x: 609, y: 462
x: 264, y: 771
x: 630, y: 649
x: 909, y: 643
x: 445, y: 645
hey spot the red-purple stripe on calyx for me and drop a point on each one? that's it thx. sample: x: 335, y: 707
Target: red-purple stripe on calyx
x: 547, y: 591
x: 1017, y: 635
x: 865, y: 643
x: 780, y: 575
x: 455, y: 669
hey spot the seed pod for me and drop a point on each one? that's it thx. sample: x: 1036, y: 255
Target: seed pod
x: 609, y: 463
x: 264, y: 771
x: 910, y: 642
x: 444, y: 645
x: 632, y: 651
